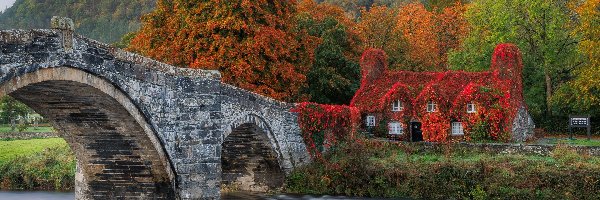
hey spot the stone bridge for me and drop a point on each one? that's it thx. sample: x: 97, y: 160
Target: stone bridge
x: 141, y: 129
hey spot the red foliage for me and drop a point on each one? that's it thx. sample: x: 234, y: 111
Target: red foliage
x: 507, y: 61
x: 373, y: 63
x: 331, y: 123
x: 252, y: 43
x: 497, y: 95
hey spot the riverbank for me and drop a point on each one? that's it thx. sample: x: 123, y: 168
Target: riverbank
x: 401, y: 170
x: 7, y: 133
x: 37, y: 164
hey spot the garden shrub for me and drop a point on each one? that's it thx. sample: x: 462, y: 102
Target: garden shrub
x: 379, y: 169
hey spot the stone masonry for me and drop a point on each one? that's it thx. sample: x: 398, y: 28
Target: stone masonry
x: 142, y: 129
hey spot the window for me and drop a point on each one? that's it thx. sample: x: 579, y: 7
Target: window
x: 457, y: 128
x: 395, y: 128
x: 397, y: 106
x: 471, y: 108
x: 431, y: 106
x: 371, y: 120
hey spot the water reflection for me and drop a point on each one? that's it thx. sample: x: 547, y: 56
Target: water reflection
x: 42, y: 195
x: 37, y: 195
x: 258, y: 196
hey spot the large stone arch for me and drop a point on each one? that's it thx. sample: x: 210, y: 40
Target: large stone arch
x: 181, y: 114
x: 251, y: 157
x: 119, y: 154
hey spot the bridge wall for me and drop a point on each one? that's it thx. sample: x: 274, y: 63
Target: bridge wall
x: 185, y: 113
x: 160, y: 92
x: 273, y: 117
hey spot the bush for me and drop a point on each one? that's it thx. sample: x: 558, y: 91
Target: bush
x: 380, y: 169
x: 51, y: 169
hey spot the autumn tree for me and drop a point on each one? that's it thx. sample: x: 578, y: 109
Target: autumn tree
x: 582, y: 94
x: 451, y: 28
x: 377, y: 28
x: 538, y: 27
x: 252, y: 43
x: 430, y: 35
x: 334, y: 74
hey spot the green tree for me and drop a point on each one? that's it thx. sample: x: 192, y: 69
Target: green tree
x: 335, y: 74
x: 541, y: 30
x: 333, y: 78
x: 11, y: 110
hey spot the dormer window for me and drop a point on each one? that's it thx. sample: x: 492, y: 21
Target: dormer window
x: 397, y: 106
x: 370, y: 121
x: 471, y: 108
x: 431, y: 106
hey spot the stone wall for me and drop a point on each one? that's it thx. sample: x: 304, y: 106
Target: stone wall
x: 522, y: 126
x: 504, y: 148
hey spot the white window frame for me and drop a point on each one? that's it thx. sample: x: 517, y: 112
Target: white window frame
x: 431, y: 106
x: 397, y: 106
x: 395, y: 128
x: 370, y: 120
x: 471, y: 108
x: 457, y: 128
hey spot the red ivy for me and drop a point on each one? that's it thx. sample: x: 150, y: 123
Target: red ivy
x: 330, y: 122
x: 498, y: 94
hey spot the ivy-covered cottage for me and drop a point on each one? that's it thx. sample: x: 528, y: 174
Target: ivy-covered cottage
x: 441, y: 106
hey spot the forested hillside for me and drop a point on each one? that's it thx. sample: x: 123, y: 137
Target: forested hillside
x: 103, y: 20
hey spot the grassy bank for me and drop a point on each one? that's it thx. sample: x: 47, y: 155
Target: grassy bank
x: 378, y: 169
x: 30, y: 129
x: 37, y: 164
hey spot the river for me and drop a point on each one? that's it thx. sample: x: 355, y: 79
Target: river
x: 258, y: 196
x: 36, y: 195
x: 42, y: 195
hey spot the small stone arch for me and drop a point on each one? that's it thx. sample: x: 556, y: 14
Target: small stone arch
x: 251, y: 158
x: 114, y: 160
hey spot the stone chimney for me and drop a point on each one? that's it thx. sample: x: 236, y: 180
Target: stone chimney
x: 373, y: 64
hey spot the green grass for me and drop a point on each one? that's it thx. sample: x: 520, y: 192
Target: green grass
x: 8, y: 129
x: 19, y: 148
x: 578, y: 142
x: 37, y: 164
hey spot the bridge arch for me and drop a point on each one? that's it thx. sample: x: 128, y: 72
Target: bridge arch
x: 171, y: 122
x: 251, y: 158
x: 119, y: 154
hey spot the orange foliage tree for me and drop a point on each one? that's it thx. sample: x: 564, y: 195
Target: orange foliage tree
x: 251, y: 42
x: 430, y: 34
x: 377, y: 29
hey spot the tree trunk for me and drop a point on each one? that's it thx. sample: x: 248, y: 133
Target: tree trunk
x: 13, y: 125
x: 548, y: 93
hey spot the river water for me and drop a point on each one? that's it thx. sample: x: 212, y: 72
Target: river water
x: 42, y: 195
x: 36, y: 195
